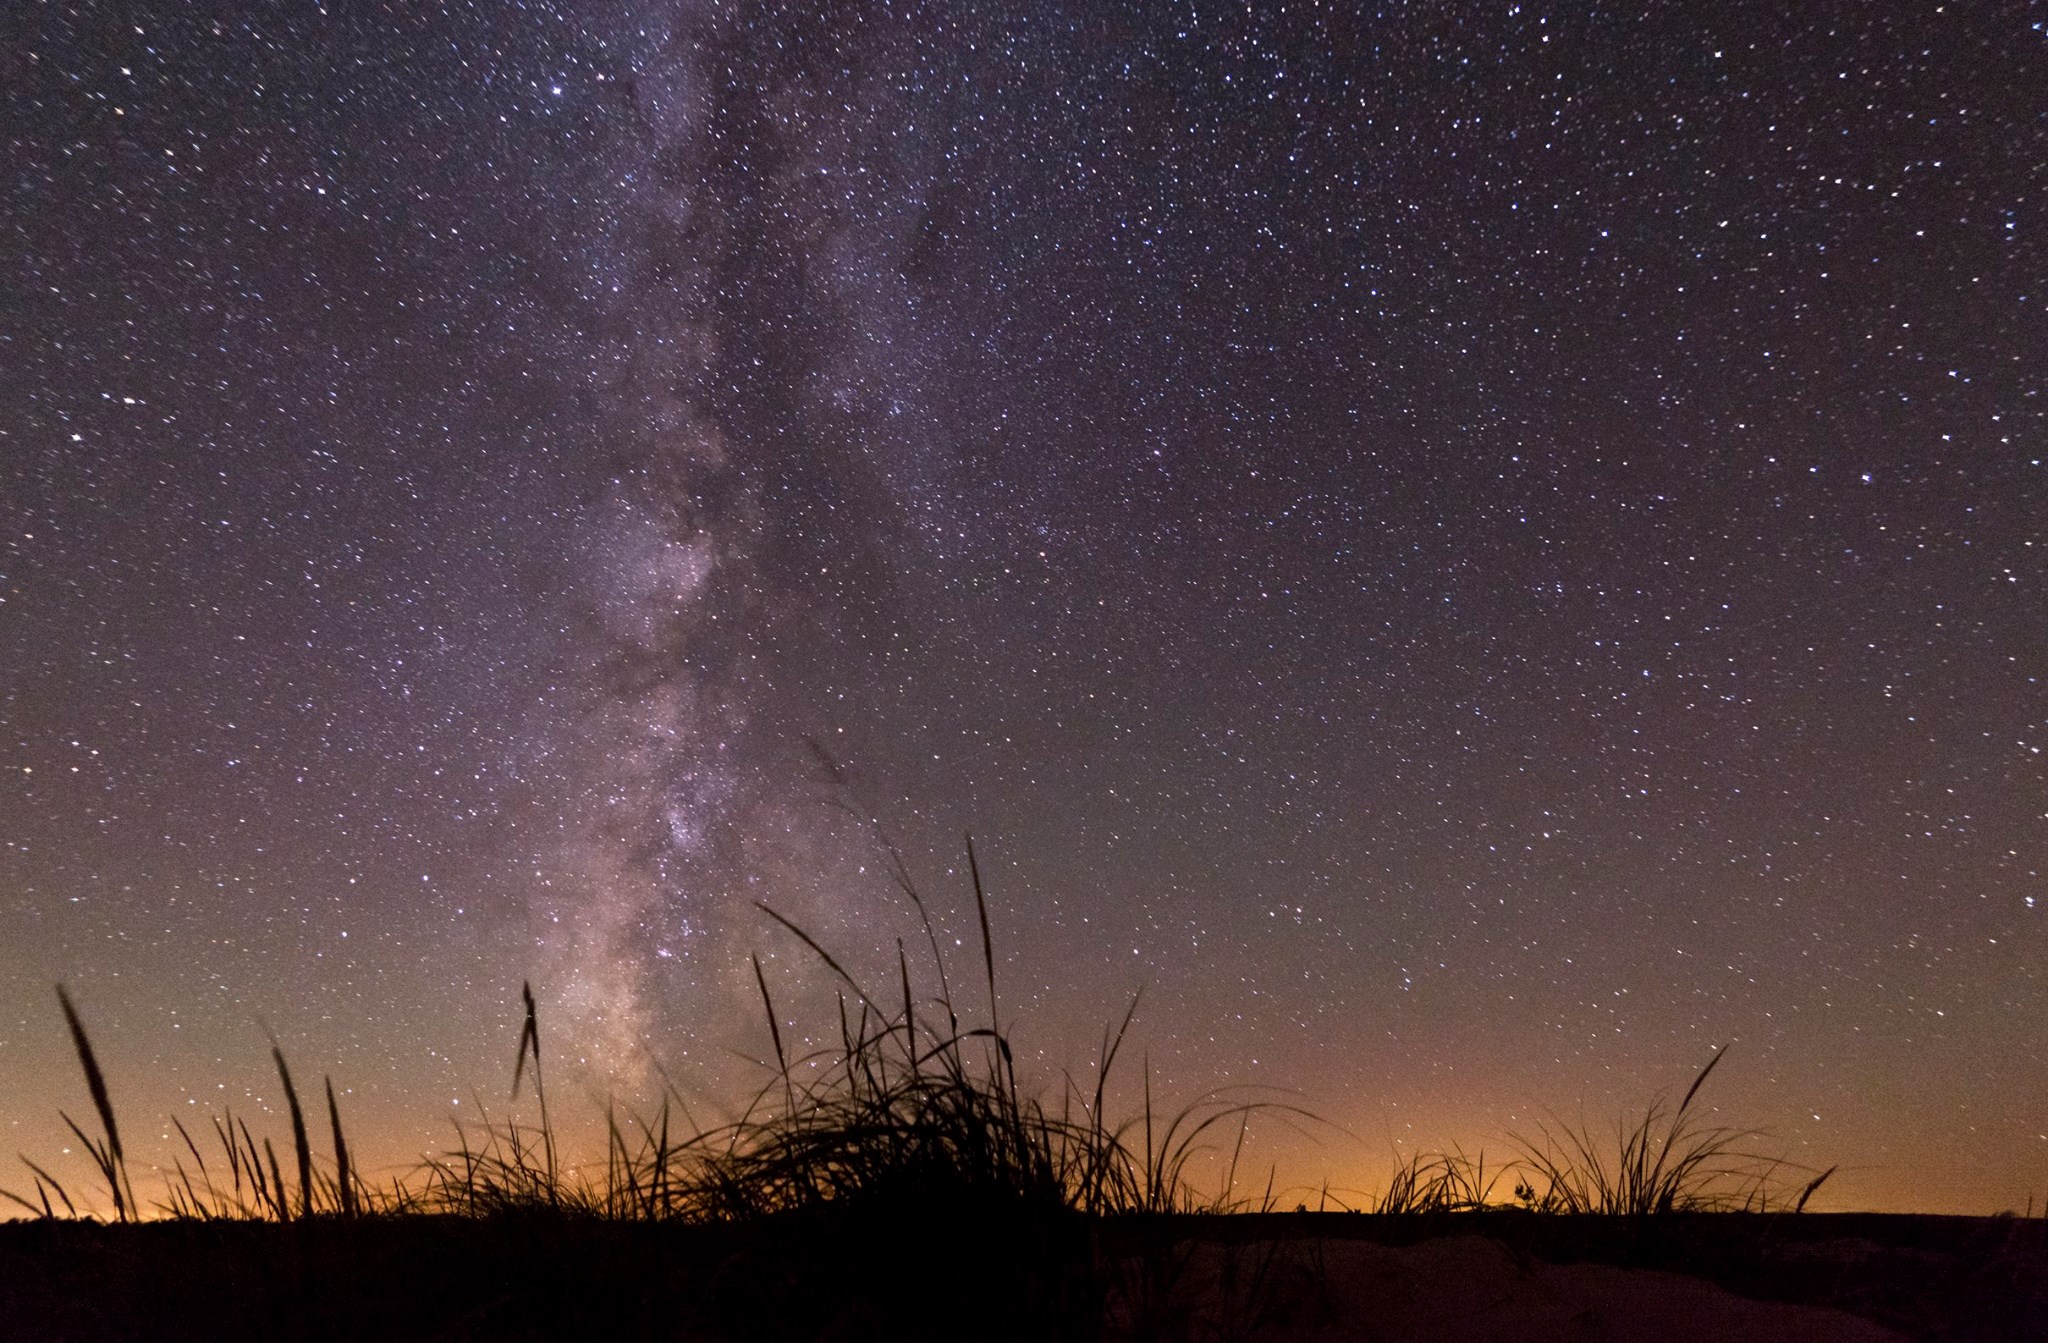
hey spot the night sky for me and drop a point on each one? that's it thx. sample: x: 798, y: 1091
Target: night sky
x: 1473, y: 552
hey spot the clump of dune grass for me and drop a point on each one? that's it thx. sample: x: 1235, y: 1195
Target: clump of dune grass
x: 919, y: 1129
x: 1665, y: 1162
x: 915, y: 1107
x: 1430, y: 1183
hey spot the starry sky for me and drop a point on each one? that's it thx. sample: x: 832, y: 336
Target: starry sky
x: 1473, y: 552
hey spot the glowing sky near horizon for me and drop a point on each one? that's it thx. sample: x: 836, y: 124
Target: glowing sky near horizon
x: 1474, y: 551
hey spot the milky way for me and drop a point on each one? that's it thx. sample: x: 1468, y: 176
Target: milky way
x: 1474, y: 553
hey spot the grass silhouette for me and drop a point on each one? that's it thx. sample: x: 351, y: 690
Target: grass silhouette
x: 905, y: 1163
x: 1434, y: 1183
x: 106, y: 1151
x: 912, y: 1108
x: 1665, y: 1162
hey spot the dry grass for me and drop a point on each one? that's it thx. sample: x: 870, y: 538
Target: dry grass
x: 1665, y: 1162
x: 1431, y: 1183
x: 913, y: 1109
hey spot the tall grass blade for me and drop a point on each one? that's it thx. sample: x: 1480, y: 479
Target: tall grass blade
x: 988, y: 954
x: 302, y: 1147
x: 775, y: 1033
x: 112, y: 1160
x: 279, y: 1196
x: 529, y: 1046
x: 834, y: 966
x: 344, y: 1175
x: 909, y: 1005
x: 45, y: 1179
x: 13, y: 1197
x: 529, y: 1041
x: 211, y: 1207
x: 1813, y: 1185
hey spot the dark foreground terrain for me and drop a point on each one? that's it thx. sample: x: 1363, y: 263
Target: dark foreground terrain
x: 963, y: 1273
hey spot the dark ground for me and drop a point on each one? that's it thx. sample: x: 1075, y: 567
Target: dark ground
x: 940, y: 1274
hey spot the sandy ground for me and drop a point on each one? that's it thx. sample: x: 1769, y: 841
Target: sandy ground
x: 1469, y: 1289
x: 1318, y: 1278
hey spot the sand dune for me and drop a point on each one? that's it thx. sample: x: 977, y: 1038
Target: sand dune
x: 1469, y: 1289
